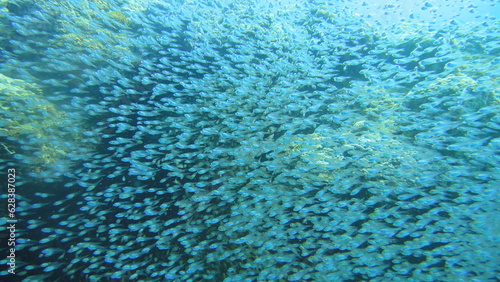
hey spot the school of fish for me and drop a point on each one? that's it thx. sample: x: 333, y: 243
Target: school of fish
x: 251, y: 140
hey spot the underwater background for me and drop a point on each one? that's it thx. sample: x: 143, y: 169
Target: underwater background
x: 241, y: 140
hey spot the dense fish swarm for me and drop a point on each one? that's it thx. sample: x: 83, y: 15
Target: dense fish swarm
x: 251, y: 141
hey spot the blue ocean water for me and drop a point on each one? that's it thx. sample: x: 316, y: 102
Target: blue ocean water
x: 245, y: 140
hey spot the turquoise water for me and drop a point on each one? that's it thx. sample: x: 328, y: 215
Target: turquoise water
x: 251, y: 140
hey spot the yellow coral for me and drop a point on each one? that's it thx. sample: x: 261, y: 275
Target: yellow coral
x: 27, y: 115
x: 119, y: 16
